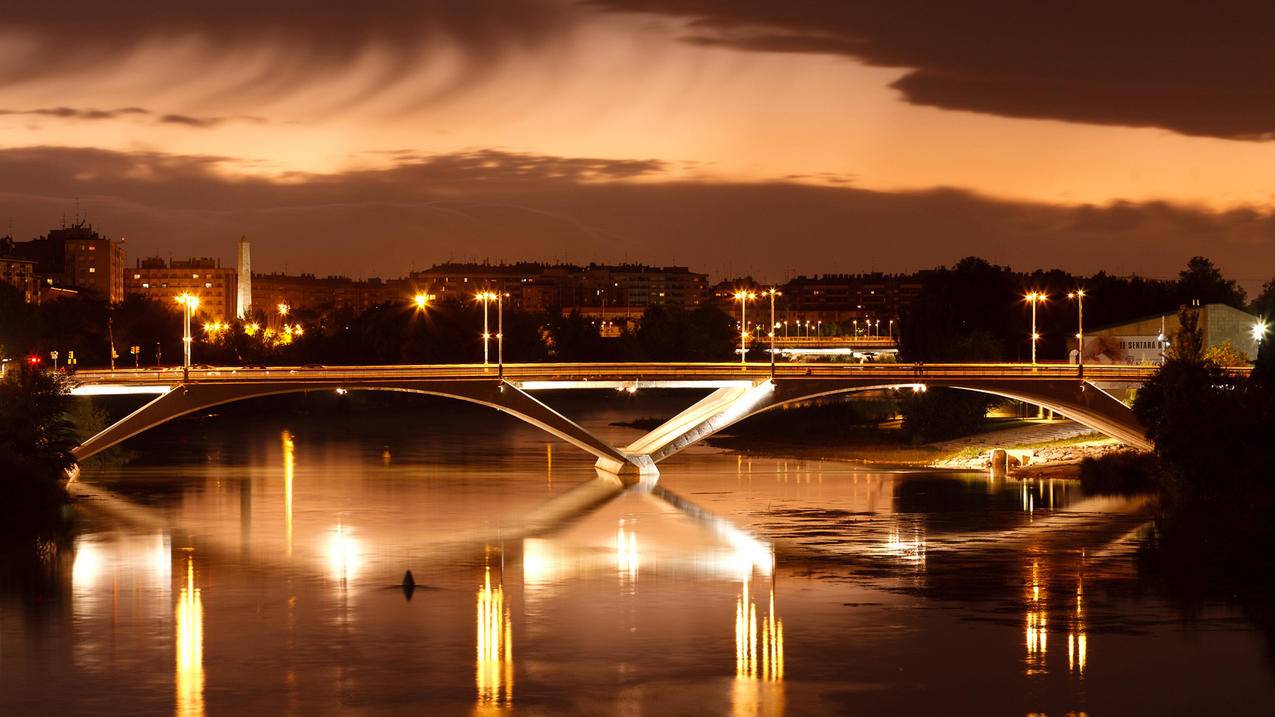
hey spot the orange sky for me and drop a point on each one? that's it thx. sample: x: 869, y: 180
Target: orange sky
x: 599, y: 84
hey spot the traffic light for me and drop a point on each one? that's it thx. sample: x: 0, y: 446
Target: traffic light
x: 34, y: 360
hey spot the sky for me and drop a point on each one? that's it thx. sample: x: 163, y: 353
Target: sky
x: 734, y: 136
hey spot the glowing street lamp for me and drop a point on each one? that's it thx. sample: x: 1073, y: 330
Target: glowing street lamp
x: 422, y: 300
x: 500, y: 333
x: 772, y: 292
x: 1079, y: 296
x: 1034, y: 298
x: 1259, y: 330
x: 283, y: 309
x: 486, y: 297
x: 189, y: 303
x: 743, y: 297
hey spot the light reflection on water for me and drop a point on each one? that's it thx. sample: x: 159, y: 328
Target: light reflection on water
x: 899, y: 591
x: 190, y: 646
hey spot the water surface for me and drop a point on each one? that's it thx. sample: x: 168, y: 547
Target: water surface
x: 251, y: 562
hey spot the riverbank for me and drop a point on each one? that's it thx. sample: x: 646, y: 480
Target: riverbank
x: 1039, y: 448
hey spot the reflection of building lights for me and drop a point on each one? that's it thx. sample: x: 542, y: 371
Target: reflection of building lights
x: 344, y: 555
x: 288, y: 466
x: 190, y: 646
x: 1077, y: 639
x: 494, y: 644
x: 1037, y: 635
x: 749, y: 650
x: 626, y: 553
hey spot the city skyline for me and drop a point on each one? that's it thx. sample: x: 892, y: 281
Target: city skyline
x: 739, y: 138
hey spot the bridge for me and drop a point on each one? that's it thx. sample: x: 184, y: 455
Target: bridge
x: 735, y: 392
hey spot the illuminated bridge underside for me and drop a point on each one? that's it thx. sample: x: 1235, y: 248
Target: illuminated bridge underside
x: 193, y: 397
x: 736, y: 394
x: 1080, y: 401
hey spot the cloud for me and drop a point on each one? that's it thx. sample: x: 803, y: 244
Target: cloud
x: 1193, y: 68
x: 77, y: 113
x: 496, y: 204
x: 74, y: 113
x: 281, y: 45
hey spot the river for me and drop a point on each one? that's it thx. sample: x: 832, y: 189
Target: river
x: 252, y: 561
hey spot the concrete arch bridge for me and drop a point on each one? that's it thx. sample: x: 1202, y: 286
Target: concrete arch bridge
x: 735, y: 392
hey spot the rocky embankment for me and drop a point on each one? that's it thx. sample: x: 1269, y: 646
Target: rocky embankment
x: 1041, y: 448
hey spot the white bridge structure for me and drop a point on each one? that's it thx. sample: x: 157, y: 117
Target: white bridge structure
x: 733, y: 393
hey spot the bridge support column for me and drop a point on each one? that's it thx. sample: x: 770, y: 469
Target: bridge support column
x: 707, y: 416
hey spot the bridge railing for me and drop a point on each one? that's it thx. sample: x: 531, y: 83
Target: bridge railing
x: 900, y: 373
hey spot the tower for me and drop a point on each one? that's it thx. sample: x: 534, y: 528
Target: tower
x: 244, y: 302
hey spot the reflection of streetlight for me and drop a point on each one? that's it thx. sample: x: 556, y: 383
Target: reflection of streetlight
x: 494, y: 644
x: 743, y: 297
x: 1034, y: 298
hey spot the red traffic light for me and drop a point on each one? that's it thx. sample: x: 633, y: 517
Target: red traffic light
x: 34, y: 360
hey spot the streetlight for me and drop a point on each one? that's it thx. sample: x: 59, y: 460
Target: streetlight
x: 743, y: 297
x: 1034, y: 298
x: 189, y: 303
x: 500, y: 333
x: 772, y: 292
x: 1079, y: 296
x: 422, y: 300
x: 283, y: 309
x: 1259, y: 330
x: 486, y: 297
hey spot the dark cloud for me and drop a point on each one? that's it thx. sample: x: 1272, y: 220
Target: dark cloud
x: 78, y: 113
x: 292, y: 41
x: 504, y: 205
x: 1190, y: 67
x: 74, y: 113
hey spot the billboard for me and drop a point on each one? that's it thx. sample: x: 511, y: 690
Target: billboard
x: 1130, y: 350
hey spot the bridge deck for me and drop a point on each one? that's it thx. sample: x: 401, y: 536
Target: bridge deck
x: 577, y: 375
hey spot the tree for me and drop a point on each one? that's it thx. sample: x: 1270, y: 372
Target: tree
x: 1203, y: 282
x: 36, y: 434
x: 1264, y: 304
x: 1225, y: 354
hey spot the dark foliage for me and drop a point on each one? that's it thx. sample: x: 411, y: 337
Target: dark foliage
x: 942, y: 413
x: 36, y: 437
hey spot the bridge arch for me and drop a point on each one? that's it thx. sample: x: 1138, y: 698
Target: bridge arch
x: 1078, y: 400
x: 190, y: 398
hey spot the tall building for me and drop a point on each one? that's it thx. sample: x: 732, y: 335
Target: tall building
x: 164, y: 281
x: 243, y: 301
x: 77, y: 257
x: 17, y: 272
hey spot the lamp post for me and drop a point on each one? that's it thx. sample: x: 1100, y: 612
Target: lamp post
x: 1259, y: 331
x: 500, y: 332
x: 189, y: 303
x: 1034, y: 298
x: 743, y: 297
x: 486, y: 297
x: 772, y: 292
x: 1079, y: 296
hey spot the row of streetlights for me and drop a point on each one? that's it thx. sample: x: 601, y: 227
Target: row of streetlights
x: 1039, y: 297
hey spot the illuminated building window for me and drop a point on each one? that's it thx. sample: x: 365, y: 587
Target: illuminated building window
x: 92, y: 270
